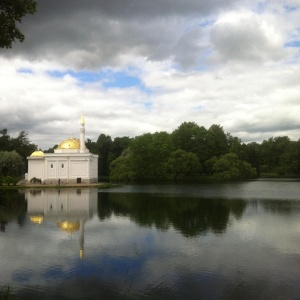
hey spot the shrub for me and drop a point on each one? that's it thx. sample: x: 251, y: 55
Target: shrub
x: 35, y: 180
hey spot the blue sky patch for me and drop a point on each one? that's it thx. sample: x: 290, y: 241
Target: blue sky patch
x: 293, y: 44
x: 25, y: 70
x: 289, y: 8
x: 108, y: 78
x: 199, y: 107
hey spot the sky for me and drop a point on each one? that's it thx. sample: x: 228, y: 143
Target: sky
x: 139, y: 66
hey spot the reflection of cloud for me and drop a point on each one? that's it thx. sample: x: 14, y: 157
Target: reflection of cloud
x: 125, y: 260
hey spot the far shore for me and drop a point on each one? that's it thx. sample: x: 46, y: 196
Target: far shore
x: 55, y: 185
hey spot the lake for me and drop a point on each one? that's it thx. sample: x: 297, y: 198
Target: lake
x: 187, y: 241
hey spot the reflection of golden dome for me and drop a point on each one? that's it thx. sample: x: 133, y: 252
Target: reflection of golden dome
x: 69, y: 226
x: 71, y: 143
x: 37, y: 219
x: 38, y: 153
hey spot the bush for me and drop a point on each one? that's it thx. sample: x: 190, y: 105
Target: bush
x: 35, y: 180
x: 8, y: 180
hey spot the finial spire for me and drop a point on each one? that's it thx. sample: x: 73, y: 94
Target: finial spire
x: 82, y: 122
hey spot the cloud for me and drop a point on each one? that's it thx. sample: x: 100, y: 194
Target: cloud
x: 80, y: 34
x: 146, y: 66
x: 246, y: 36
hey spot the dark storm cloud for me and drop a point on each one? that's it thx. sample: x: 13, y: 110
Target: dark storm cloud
x: 90, y: 34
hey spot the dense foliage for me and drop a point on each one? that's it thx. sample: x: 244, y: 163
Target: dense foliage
x: 13, y: 155
x: 10, y: 13
x: 189, y: 152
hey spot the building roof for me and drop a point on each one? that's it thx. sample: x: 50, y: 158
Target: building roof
x: 71, y: 143
x: 38, y: 153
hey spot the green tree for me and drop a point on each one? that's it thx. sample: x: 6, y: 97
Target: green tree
x: 182, y: 164
x: 230, y: 167
x: 149, y: 153
x: 4, y: 140
x: 92, y: 146
x: 236, y: 146
x: 103, y: 149
x: 51, y: 150
x: 22, y: 145
x: 209, y: 164
x: 252, y: 151
x: 122, y: 169
x: 191, y: 138
x: 288, y: 160
x: 11, y: 164
x: 279, y: 155
x: 118, y: 145
x: 217, y: 141
x: 12, y: 11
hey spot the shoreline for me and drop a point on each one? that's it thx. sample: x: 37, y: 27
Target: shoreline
x: 56, y: 186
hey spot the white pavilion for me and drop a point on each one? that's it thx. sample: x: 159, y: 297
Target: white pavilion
x: 71, y: 162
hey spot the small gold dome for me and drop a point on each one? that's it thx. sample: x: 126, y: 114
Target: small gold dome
x: 38, y: 153
x: 69, y: 226
x: 71, y: 143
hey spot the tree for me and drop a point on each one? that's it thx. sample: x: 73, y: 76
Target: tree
x: 51, y: 150
x: 22, y: 145
x: 191, y: 138
x: 11, y: 12
x: 92, y: 146
x: 118, y: 145
x: 11, y: 164
x: 235, y: 146
x: 122, y: 169
x: 103, y: 149
x: 252, y: 151
x: 149, y: 153
x: 4, y: 140
x: 279, y: 155
x: 230, y: 167
x: 182, y: 164
x: 217, y: 141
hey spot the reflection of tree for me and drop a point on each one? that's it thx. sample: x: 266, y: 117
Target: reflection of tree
x: 12, y: 207
x: 280, y: 206
x: 190, y: 216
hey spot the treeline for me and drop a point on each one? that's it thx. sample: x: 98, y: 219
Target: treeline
x: 13, y: 154
x: 190, y: 151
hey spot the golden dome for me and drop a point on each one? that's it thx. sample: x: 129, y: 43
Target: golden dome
x: 37, y: 219
x: 69, y: 226
x: 38, y: 153
x: 71, y: 143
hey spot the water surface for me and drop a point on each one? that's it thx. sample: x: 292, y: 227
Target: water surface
x: 207, y: 241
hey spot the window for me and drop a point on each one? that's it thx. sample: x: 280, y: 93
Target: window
x: 51, y: 166
x: 62, y: 166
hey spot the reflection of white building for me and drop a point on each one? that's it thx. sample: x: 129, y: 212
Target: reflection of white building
x: 71, y: 162
x: 68, y: 208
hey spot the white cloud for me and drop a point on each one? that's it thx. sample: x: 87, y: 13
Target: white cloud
x: 214, y: 63
x: 246, y: 36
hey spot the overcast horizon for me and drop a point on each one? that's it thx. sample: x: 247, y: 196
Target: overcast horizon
x: 137, y: 66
